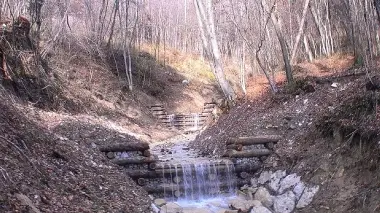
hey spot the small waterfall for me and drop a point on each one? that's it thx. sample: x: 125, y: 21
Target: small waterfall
x: 231, y: 178
x: 171, y: 119
x: 188, y: 181
x: 200, y: 180
x: 195, y: 117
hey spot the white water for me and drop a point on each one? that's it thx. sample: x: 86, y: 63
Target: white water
x: 200, y: 180
x: 213, y: 205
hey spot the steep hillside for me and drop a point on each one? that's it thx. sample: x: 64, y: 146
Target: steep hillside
x: 330, y: 133
x: 40, y: 169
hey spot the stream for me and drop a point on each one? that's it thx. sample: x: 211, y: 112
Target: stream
x: 194, y: 183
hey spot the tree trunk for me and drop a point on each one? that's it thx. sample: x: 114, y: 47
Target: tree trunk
x: 300, y: 31
x: 205, y: 17
x: 284, y: 49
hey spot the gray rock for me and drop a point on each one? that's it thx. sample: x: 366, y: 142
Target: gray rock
x: 251, y: 192
x: 159, y: 202
x: 276, y: 177
x: 274, y: 184
x: 285, y: 203
x: 243, y: 205
x: 171, y: 208
x: 288, y: 182
x: 298, y: 189
x: 254, y: 182
x: 260, y: 209
x: 279, y: 174
x: 264, y: 197
x: 264, y: 177
x: 307, y: 196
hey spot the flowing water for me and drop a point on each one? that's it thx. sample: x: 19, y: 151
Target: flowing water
x: 199, y: 180
x: 196, y: 182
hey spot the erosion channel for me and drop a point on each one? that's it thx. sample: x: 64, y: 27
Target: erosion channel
x: 180, y: 179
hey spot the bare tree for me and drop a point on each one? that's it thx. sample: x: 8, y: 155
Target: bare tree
x: 205, y: 16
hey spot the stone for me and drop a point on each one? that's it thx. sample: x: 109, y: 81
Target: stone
x: 284, y: 203
x: 260, y: 209
x: 307, y: 196
x: 298, y: 189
x: 263, y: 195
x: 159, y: 202
x: 243, y: 205
x: 264, y: 177
x: 276, y: 177
x: 288, y: 182
x: 254, y: 182
x: 334, y: 85
x: 171, y: 208
x: 251, y: 192
x: 274, y: 184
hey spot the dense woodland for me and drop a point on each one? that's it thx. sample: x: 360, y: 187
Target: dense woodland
x: 261, y: 36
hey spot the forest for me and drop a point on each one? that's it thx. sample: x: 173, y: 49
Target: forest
x: 267, y: 106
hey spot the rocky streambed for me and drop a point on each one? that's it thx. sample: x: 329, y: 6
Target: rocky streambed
x: 269, y: 192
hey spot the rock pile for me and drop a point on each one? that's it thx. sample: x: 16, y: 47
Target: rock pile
x: 274, y: 192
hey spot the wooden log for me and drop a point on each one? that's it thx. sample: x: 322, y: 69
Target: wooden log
x: 140, y: 173
x: 237, y: 147
x: 147, y: 153
x: 141, y: 181
x: 134, y: 160
x: 269, y: 146
x: 110, y: 155
x: 121, y: 147
x: 248, y: 153
x: 152, y: 166
x: 252, y: 140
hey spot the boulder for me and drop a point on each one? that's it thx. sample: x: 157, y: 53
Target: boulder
x: 274, y: 183
x: 159, y: 202
x: 260, y: 209
x: 263, y: 195
x: 298, y: 189
x: 284, y: 203
x: 307, y: 196
x: 264, y: 177
x: 288, y: 182
x: 243, y: 205
x: 254, y: 182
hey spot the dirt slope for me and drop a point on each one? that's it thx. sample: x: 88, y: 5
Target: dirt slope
x: 330, y: 136
x: 58, y: 174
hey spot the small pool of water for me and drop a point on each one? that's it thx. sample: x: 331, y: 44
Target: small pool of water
x: 208, y: 205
